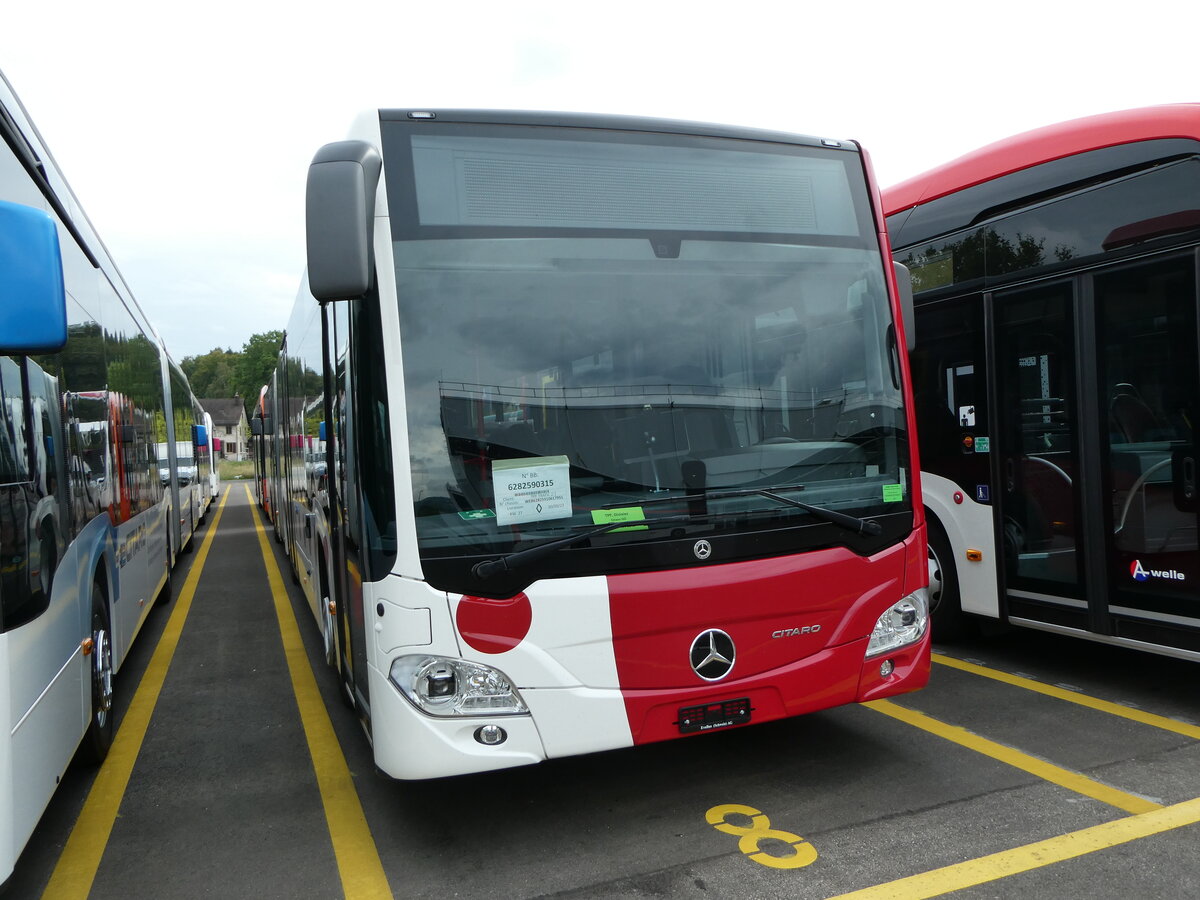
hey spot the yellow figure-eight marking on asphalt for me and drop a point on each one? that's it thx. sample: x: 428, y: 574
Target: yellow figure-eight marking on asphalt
x: 76, y: 868
x: 357, y: 857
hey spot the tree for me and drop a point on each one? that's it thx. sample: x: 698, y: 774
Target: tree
x: 255, y: 364
x: 211, y: 375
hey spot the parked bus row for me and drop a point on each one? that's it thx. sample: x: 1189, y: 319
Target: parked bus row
x: 592, y: 431
x: 500, y: 380
x: 106, y: 469
x: 588, y: 432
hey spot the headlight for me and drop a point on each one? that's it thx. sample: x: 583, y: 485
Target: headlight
x: 441, y: 686
x: 903, y: 624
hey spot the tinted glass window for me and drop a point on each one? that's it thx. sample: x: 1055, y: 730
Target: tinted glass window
x: 974, y: 204
x: 1153, y: 204
x: 633, y: 321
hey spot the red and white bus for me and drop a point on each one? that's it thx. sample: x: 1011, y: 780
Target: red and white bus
x: 1057, y: 377
x: 595, y: 431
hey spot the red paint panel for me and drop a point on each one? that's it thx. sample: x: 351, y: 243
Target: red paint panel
x: 494, y: 626
x: 911, y: 672
x: 829, y: 678
x: 764, y: 605
x: 1180, y: 120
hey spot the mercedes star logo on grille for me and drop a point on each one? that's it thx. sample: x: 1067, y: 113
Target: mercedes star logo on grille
x: 702, y: 549
x: 712, y: 655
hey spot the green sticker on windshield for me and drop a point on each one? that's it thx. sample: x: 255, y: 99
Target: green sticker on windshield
x: 624, y: 514
x: 470, y: 514
x: 893, y: 493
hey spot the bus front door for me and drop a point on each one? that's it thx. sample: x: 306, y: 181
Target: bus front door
x: 1037, y: 455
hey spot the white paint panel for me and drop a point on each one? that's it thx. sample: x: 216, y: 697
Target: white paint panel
x: 569, y: 642
x: 8, y: 847
x: 579, y: 720
x: 42, y: 745
x: 401, y: 627
x: 434, y: 633
x: 408, y: 744
x: 968, y: 525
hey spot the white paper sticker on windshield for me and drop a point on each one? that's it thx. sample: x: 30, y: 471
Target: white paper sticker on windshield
x: 531, y: 489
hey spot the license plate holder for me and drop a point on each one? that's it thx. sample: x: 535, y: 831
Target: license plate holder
x: 714, y: 716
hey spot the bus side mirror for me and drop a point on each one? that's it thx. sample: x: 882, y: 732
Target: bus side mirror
x: 33, y: 300
x: 256, y: 428
x: 199, y: 435
x: 340, y: 219
x: 904, y: 284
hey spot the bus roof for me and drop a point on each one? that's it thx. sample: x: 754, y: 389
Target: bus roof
x: 1022, y: 151
x: 610, y: 121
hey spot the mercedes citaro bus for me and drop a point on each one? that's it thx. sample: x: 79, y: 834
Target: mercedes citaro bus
x: 593, y: 431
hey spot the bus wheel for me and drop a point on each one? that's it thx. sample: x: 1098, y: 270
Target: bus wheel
x: 945, y: 602
x: 100, y: 730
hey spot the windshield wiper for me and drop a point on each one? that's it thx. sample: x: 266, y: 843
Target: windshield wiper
x: 489, y: 567
x: 867, y: 527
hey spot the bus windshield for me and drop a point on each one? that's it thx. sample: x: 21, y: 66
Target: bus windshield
x: 597, y: 328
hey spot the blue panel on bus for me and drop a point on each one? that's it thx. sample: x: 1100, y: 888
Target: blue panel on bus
x: 33, y: 306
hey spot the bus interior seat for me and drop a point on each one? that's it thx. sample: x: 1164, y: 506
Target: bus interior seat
x: 1131, y: 420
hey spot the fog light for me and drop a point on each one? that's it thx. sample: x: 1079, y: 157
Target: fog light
x: 491, y: 735
x: 887, y: 668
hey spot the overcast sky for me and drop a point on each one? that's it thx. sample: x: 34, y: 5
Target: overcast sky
x: 186, y: 129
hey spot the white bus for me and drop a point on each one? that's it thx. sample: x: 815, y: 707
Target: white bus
x: 598, y: 434
x: 84, y: 538
x: 207, y: 446
x: 187, y: 459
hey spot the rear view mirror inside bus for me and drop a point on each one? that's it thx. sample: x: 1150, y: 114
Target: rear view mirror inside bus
x: 33, y: 306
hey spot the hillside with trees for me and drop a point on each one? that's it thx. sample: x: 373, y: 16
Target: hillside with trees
x: 234, y: 373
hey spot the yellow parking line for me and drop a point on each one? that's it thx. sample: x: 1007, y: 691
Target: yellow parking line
x: 1072, y: 781
x: 1114, y: 709
x: 76, y: 868
x: 1032, y: 856
x: 358, y: 860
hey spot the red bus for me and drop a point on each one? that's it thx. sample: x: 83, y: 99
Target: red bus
x: 595, y: 431
x: 1057, y: 378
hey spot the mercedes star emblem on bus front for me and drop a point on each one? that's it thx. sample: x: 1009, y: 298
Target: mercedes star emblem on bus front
x: 712, y: 654
x: 703, y: 549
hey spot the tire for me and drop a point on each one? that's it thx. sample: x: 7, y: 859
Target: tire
x: 945, y: 600
x: 98, y: 738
